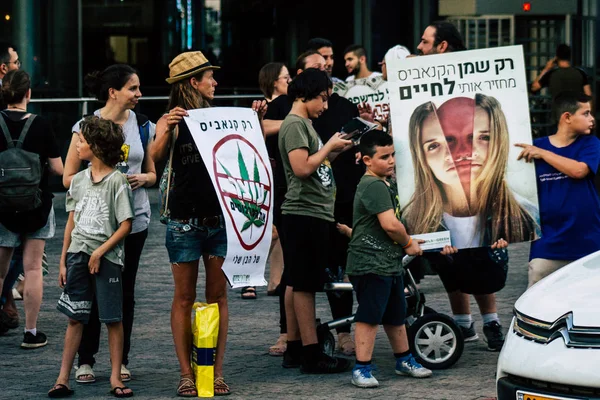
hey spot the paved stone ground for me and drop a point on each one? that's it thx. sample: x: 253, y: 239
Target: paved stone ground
x: 249, y: 370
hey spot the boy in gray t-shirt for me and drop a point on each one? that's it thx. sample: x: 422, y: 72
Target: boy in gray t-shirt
x: 99, y: 203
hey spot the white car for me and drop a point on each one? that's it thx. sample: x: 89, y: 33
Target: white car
x: 552, y: 349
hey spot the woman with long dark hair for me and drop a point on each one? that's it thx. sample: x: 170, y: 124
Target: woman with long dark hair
x: 118, y: 86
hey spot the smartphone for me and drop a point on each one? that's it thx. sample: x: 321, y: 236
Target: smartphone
x: 356, y: 127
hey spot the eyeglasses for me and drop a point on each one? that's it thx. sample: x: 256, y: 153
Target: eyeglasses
x: 17, y: 62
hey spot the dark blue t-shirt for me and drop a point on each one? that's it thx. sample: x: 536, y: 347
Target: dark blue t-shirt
x: 569, y: 208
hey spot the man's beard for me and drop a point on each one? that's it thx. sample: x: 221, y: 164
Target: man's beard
x: 356, y: 70
x: 433, y: 51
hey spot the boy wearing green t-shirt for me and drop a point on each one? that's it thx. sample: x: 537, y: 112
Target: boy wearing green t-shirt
x: 378, y: 243
x: 307, y: 219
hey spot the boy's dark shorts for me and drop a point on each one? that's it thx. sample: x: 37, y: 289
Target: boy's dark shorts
x: 380, y: 299
x: 306, y: 243
x: 474, y: 271
x: 76, y: 298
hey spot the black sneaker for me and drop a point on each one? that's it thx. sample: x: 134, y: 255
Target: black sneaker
x: 326, y: 365
x: 493, y: 335
x: 33, y: 342
x: 291, y: 360
x: 469, y: 334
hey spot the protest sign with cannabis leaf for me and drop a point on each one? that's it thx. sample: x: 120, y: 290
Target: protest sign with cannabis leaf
x: 246, y: 188
x: 232, y: 147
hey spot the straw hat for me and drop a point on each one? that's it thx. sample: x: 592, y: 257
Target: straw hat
x: 188, y: 64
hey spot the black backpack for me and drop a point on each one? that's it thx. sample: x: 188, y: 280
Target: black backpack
x: 20, y: 173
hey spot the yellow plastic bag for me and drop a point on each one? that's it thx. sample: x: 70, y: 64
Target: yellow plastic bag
x: 205, y: 327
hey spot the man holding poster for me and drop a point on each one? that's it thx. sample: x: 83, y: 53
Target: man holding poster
x: 456, y: 165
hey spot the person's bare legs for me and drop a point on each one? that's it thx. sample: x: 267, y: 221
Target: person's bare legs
x: 304, y: 307
x: 459, y: 302
x: 486, y: 303
x: 364, y: 336
x: 185, y: 276
x: 276, y: 262
x: 276, y: 266
x: 115, y: 346
x: 33, y: 250
x: 72, y: 340
x: 397, y: 337
x: 290, y: 314
x: 216, y: 292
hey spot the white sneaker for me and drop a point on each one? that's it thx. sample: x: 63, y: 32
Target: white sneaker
x: 362, y: 377
x: 412, y: 368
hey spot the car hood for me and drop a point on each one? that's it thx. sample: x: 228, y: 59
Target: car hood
x: 574, y: 288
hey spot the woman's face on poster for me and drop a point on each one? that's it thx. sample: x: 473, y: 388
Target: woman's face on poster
x: 455, y: 141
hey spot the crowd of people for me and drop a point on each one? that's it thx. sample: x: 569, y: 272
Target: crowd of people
x: 336, y: 213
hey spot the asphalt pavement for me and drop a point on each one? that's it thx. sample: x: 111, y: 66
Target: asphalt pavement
x: 249, y: 370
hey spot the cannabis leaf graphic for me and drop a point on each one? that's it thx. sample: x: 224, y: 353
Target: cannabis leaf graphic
x: 258, y: 195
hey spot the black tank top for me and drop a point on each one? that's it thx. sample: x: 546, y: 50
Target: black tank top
x: 193, y: 194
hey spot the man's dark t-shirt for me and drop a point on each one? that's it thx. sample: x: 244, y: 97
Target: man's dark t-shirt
x: 564, y: 79
x: 340, y: 110
x: 346, y: 171
x: 561, y: 80
x: 277, y: 110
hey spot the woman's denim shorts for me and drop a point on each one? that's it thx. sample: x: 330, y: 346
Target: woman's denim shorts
x: 188, y: 240
x: 12, y: 239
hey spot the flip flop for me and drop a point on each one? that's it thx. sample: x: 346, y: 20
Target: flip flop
x: 249, y: 293
x: 85, y: 369
x: 59, y: 391
x: 278, y: 348
x: 125, y: 374
x: 122, y: 393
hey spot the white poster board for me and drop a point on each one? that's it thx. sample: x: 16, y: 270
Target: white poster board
x: 456, y: 118
x: 372, y: 90
x: 232, y: 147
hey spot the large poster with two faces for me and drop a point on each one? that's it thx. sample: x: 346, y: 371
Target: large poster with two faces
x: 456, y: 118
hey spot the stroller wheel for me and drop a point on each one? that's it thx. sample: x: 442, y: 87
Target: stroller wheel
x: 326, y: 341
x: 435, y: 341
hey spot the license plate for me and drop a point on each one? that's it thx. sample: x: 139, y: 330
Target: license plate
x: 521, y: 395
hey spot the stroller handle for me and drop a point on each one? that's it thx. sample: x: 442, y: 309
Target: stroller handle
x: 407, y: 259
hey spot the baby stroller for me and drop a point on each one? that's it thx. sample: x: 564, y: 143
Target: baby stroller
x: 435, y: 340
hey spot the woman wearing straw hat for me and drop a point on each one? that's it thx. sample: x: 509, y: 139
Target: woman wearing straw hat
x: 196, y: 227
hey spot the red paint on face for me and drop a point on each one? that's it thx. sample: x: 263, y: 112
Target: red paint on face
x: 456, y: 119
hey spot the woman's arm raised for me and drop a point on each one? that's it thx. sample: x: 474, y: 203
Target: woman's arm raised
x: 72, y: 162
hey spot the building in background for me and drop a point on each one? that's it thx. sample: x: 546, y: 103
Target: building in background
x: 60, y: 40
